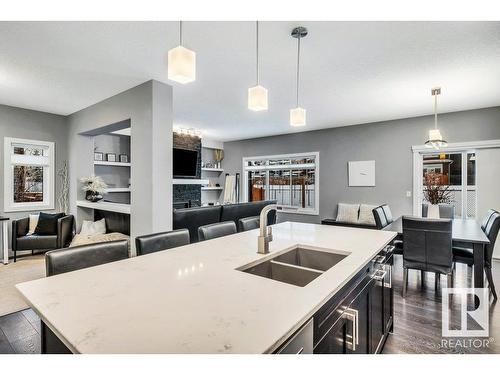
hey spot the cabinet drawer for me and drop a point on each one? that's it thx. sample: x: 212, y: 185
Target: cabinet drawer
x: 332, y: 310
x: 301, y: 342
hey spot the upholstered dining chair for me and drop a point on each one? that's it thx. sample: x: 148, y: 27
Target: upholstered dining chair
x: 151, y: 243
x: 466, y: 255
x: 211, y: 231
x: 248, y: 223
x: 427, y: 247
x: 383, y: 217
x: 78, y: 257
x: 387, y: 213
x: 380, y: 219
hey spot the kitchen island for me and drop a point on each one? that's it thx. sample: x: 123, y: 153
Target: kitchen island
x: 197, y: 299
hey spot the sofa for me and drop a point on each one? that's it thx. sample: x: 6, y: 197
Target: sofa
x: 363, y: 216
x: 194, y: 217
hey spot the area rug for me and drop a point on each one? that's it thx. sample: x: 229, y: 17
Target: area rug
x: 25, y: 269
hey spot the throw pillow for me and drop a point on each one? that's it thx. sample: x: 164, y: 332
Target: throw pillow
x: 366, y: 214
x: 91, y: 228
x: 33, y: 222
x: 47, y: 224
x: 347, y: 213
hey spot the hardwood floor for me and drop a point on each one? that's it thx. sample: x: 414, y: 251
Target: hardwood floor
x: 417, y: 320
x: 20, y: 333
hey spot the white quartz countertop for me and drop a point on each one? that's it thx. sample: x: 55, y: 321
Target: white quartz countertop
x: 191, y: 299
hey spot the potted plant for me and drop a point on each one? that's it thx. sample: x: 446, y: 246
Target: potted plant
x: 435, y: 192
x: 94, y: 187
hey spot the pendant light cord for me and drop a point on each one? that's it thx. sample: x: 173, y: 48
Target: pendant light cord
x: 257, y: 50
x: 298, y: 69
x: 180, y: 33
x: 435, y: 111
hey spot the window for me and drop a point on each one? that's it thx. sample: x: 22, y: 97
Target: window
x: 291, y: 180
x: 28, y: 175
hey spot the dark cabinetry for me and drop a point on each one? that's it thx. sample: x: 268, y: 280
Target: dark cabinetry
x: 358, y: 319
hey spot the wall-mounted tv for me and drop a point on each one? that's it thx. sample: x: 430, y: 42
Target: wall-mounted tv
x: 185, y: 163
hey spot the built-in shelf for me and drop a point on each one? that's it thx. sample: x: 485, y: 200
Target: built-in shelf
x: 118, y: 190
x: 105, y: 206
x: 112, y: 163
x: 212, y: 170
x: 211, y: 188
x: 190, y: 181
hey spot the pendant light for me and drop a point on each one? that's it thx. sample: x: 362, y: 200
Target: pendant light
x: 298, y: 114
x: 181, y: 62
x: 257, y: 95
x: 436, y: 140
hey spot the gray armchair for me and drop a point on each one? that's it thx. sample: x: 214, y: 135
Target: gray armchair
x: 22, y: 241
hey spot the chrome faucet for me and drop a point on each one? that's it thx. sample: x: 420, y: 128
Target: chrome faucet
x: 266, y: 233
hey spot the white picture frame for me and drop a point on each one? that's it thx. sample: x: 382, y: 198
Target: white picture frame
x: 361, y: 173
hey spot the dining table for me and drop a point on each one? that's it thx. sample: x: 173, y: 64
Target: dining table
x: 466, y: 232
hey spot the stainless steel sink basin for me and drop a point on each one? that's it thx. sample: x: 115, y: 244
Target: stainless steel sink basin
x: 318, y: 260
x: 298, y: 266
x: 284, y: 273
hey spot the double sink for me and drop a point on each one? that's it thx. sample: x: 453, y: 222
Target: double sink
x: 297, y: 266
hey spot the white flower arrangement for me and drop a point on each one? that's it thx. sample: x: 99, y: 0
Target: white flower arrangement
x: 94, y: 184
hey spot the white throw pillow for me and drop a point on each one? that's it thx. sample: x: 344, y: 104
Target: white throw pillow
x: 90, y: 228
x: 347, y: 213
x: 366, y: 214
x: 33, y: 222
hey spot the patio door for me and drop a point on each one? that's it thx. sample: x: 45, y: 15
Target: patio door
x: 454, y: 169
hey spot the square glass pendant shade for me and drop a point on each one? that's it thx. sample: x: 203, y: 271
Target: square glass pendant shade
x: 435, y: 139
x: 298, y: 117
x: 257, y: 98
x: 181, y: 65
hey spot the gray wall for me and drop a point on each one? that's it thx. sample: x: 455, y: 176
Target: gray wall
x: 149, y: 109
x: 40, y: 126
x: 388, y: 143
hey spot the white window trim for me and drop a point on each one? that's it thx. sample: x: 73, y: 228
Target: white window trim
x: 420, y: 150
x: 285, y: 209
x: 49, y: 177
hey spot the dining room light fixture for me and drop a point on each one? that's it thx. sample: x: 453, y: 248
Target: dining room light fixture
x: 181, y: 62
x: 257, y: 95
x: 298, y: 114
x: 435, y: 140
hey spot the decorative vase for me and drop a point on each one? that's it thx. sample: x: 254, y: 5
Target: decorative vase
x: 92, y: 196
x: 433, y: 211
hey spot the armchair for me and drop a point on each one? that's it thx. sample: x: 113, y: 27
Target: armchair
x: 22, y: 241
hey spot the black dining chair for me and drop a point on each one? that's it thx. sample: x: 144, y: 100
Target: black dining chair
x: 427, y: 247
x: 151, y: 243
x: 446, y: 211
x: 383, y: 217
x: 248, y: 223
x: 486, y: 218
x: 380, y: 218
x: 78, y: 257
x: 466, y: 255
x: 211, y: 231
x: 387, y: 213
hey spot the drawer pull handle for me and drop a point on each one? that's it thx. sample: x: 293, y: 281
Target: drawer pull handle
x: 379, y: 275
x: 352, y: 316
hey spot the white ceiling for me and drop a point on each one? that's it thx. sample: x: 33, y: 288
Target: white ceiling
x: 352, y: 72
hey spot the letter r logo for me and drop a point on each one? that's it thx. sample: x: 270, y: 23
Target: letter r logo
x: 479, y: 316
